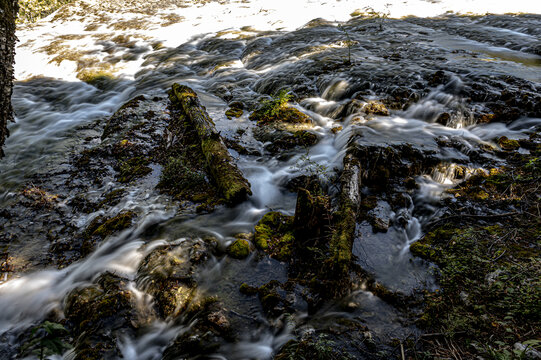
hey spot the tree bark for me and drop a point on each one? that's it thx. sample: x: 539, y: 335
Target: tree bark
x: 8, y: 14
x: 228, y: 178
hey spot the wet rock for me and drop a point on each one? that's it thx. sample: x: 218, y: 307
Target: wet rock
x: 98, y: 314
x: 380, y: 217
x: 327, y: 344
x: 210, y: 329
x: 273, y: 298
x: 438, y: 78
x: 167, y: 273
x: 375, y: 108
x: 336, y: 129
x: 115, y: 123
x: 508, y: 144
x: 278, y: 139
x: 247, y: 289
x: 103, y: 227
x: 443, y: 118
x: 385, y: 164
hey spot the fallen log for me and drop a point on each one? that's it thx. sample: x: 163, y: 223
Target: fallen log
x: 341, y: 242
x: 228, y: 178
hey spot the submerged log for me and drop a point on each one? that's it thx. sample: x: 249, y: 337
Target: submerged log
x: 228, y: 178
x: 8, y: 14
x: 341, y: 242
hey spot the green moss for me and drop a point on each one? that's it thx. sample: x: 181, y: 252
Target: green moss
x: 424, y: 251
x: 286, y: 114
x: 488, y: 286
x: 117, y: 223
x: 112, y: 198
x: 179, y: 178
x: 229, y: 179
x: 508, y: 144
x: 247, y: 289
x: 239, y: 249
x: 274, y: 235
x: 133, y: 168
x: 263, y: 235
x: 342, y: 241
x: 277, y: 110
x: 97, y: 78
x: 234, y: 113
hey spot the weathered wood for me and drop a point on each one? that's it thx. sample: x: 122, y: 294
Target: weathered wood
x: 8, y: 14
x: 228, y: 178
x: 341, y: 243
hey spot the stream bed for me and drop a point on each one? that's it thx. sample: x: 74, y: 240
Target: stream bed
x: 420, y: 95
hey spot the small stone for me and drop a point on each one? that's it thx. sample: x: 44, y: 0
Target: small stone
x: 219, y: 320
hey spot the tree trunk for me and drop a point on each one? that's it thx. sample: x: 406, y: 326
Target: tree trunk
x: 228, y: 178
x: 8, y: 14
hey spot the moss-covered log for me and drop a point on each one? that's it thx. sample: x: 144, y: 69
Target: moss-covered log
x: 229, y: 179
x: 8, y: 14
x: 342, y: 238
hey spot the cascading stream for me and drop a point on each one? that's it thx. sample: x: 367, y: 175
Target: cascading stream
x: 123, y: 50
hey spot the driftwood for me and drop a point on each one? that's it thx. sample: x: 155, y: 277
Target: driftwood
x: 228, y: 178
x: 8, y: 14
x: 341, y: 242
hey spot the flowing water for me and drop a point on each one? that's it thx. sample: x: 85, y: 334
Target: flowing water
x: 237, y: 50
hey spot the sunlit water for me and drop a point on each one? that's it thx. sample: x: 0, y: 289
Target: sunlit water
x: 144, y: 48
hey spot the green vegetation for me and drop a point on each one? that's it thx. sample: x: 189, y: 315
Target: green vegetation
x: 178, y: 177
x: 348, y: 42
x: 271, y: 108
x: 103, y: 227
x: 133, y: 168
x: 489, y: 270
x: 46, y: 340
x: 276, y: 109
x: 317, y: 347
x: 239, y: 249
x: 274, y: 235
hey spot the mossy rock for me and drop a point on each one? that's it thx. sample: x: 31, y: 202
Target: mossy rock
x: 508, y: 144
x: 234, y: 113
x: 247, y: 289
x: 112, y: 198
x: 375, y: 108
x: 274, y: 235
x: 97, y: 313
x: 120, y: 222
x: 239, y: 249
x: 285, y: 114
